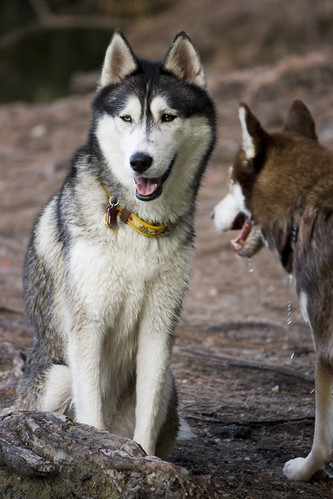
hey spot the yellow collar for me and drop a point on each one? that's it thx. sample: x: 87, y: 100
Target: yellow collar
x: 114, y: 209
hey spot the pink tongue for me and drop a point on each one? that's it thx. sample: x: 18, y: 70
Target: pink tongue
x: 238, y: 243
x: 147, y: 186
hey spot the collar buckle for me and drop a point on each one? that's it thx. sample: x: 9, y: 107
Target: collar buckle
x: 146, y: 228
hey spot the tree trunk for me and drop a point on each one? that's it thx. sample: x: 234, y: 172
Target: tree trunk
x: 46, y: 455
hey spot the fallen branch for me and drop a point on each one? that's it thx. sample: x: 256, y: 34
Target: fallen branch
x: 44, y: 450
x: 222, y: 360
x: 254, y: 423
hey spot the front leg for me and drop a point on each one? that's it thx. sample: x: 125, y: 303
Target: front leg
x: 303, y: 468
x: 84, y: 351
x: 153, y: 385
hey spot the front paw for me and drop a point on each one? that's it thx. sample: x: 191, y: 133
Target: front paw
x: 298, y: 470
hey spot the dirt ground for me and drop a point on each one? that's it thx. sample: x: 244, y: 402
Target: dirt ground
x: 244, y: 375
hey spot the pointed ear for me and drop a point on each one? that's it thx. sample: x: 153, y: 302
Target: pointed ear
x: 183, y: 60
x: 299, y: 120
x: 253, y: 135
x: 119, y: 60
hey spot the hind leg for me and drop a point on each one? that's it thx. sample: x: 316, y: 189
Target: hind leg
x: 45, y: 389
x: 57, y: 394
x: 303, y: 468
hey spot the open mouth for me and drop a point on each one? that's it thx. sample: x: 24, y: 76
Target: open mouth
x: 249, y: 240
x: 148, y: 189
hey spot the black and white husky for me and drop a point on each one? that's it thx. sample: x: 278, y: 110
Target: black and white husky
x: 110, y: 256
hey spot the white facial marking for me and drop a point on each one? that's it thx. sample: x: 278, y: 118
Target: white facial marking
x: 128, y: 133
x: 225, y: 213
x: 240, y: 199
x: 247, y: 142
x: 120, y: 137
x: 133, y: 109
x: 231, y: 205
x: 158, y: 108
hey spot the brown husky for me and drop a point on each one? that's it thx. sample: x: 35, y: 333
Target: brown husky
x: 281, y: 189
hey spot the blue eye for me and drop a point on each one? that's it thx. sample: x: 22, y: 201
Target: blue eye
x: 127, y: 118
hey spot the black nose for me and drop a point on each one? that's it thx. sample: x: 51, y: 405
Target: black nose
x: 140, y: 162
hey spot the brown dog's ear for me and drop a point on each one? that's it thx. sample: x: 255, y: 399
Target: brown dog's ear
x: 253, y: 135
x: 300, y: 121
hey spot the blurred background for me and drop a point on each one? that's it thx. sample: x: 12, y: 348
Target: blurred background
x: 53, y: 48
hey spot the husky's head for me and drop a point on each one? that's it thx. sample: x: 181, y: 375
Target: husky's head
x: 253, y: 204
x: 154, y: 124
x: 233, y: 212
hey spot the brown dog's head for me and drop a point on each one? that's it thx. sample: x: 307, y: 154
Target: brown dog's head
x: 247, y: 196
